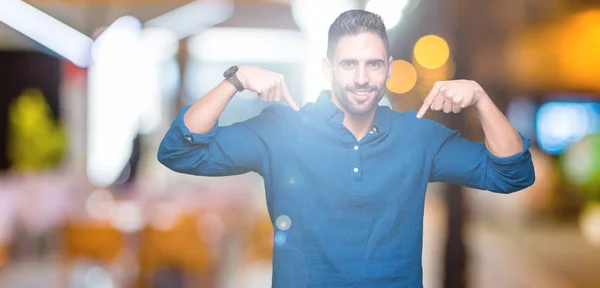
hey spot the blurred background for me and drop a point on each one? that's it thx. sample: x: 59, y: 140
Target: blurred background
x: 89, y: 87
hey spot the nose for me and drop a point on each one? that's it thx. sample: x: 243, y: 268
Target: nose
x: 361, y: 77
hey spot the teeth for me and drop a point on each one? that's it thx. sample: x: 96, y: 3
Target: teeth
x: 362, y: 93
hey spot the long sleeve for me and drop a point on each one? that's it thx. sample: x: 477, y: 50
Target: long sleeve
x: 470, y: 164
x: 222, y: 151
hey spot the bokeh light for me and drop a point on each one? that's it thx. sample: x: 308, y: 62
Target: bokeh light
x: 279, y: 238
x: 100, y: 205
x: 317, y: 15
x: 98, y: 277
x: 426, y: 77
x: 403, y: 77
x: 431, y: 51
x: 589, y: 223
x: 581, y: 165
x: 389, y: 10
x: 165, y: 216
x: 560, y: 124
x: 283, y: 222
x: 561, y: 55
x: 577, y: 50
x: 127, y: 217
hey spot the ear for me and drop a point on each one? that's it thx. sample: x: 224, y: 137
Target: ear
x: 327, y: 69
x: 390, y: 68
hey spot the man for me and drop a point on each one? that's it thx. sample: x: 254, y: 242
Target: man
x: 345, y: 178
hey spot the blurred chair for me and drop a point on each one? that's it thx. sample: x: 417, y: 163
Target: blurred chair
x: 178, y: 247
x: 255, y: 266
x: 3, y: 256
x: 259, y: 246
x: 95, y: 241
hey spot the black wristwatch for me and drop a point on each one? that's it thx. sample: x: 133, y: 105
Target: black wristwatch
x: 233, y: 79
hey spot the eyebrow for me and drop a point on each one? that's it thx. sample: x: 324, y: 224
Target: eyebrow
x: 347, y: 60
x: 375, y: 61
x: 370, y: 61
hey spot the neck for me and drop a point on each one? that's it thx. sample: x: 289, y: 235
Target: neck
x: 359, y: 125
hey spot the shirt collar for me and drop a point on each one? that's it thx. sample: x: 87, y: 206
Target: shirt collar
x: 327, y: 110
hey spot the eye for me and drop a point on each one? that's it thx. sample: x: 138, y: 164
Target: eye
x: 347, y: 64
x: 375, y: 65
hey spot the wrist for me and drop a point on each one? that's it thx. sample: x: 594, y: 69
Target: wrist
x: 483, y: 100
x: 241, y: 76
x: 230, y: 89
x: 231, y: 75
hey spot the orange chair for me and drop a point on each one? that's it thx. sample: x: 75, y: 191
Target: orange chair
x: 259, y: 246
x: 257, y: 253
x: 97, y: 241
x: 3, y: 257
x: 179, y: 246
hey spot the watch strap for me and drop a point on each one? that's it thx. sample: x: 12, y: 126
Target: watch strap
x: 233, y: 79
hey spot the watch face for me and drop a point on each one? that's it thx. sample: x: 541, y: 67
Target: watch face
x: 230, y: 71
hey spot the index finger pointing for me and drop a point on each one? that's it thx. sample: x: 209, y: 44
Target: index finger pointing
x: 428, y: 100
x: 423, y: 109
x: 288, y: 97
x: 426, y: 104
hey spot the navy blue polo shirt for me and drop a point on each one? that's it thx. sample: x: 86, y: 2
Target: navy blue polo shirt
x: 347, y: 213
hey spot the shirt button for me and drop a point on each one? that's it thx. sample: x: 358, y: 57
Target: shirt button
x: 355, y: 170
x: 355, y: 147
x: 188, y: 138
x: 374, y: 129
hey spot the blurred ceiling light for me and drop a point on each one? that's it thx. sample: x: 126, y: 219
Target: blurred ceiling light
x: 126, y: 82
x: 389, y: 10
x: 157, y: 48
x: 431, y: 51
x: 124, y: 30
x: 259, y: 45
x: 49, y: 32
x: 113, y: 117
x: 315, y: 16
x: 404, y: 77
x: 158, y: 43
x: 189, y: 19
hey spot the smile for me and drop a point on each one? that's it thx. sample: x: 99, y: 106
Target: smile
x: 362, y: 93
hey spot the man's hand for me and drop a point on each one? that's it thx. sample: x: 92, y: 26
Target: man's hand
x: 452, y: 96
x: 269, y: 86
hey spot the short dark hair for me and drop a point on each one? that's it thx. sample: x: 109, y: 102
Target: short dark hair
x: 353, y: 22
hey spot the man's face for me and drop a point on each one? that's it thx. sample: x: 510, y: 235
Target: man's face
x: 358, y: 72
